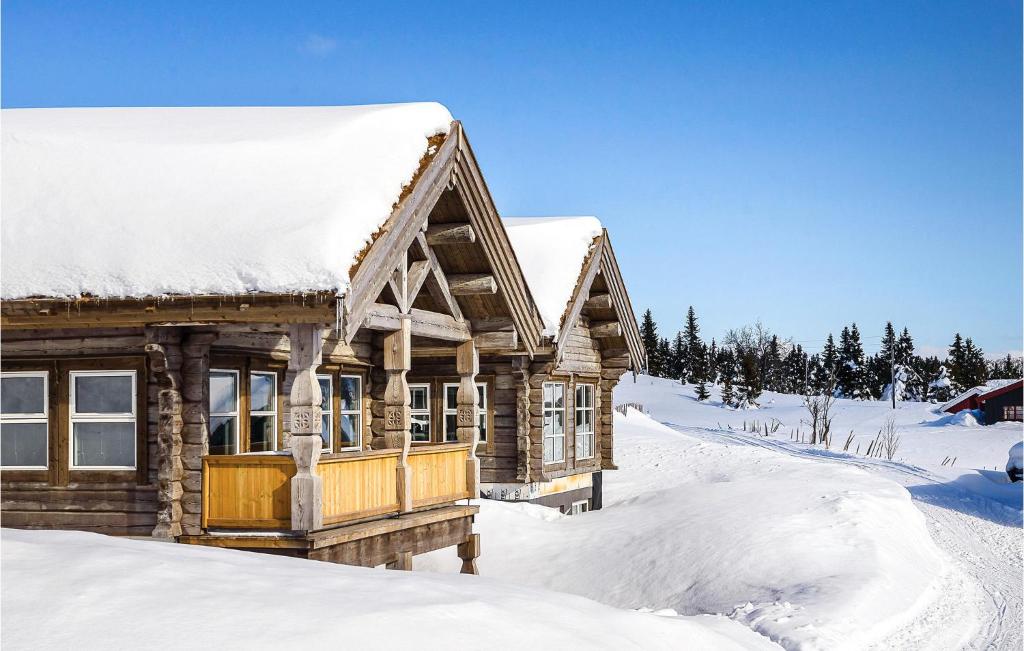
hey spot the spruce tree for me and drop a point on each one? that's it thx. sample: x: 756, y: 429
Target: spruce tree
x: 649, y: 337
x: 956, y: 365
x: 710, y: 363
x: 829, y: 358
x: 905, y: 349
x: 888, y: 349
x: 702, y: 390
x: 727, y: 373
x: 676, y: 367
x: 694, y: 346
x: 974, y: 364
x: 664, y: 357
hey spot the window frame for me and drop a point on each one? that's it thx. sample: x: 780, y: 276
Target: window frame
x: 358, y: 412
x: 481, y: 413
x: 40, y: 417
x: 237, y: 415
x: 545, y: 411
x: 584, y: 507
x: 329, y: 412
x: 586, y: 435
x: 1013, y: 413
x: 421, y: 412
x: 126, y: 417
x: 274, y: 414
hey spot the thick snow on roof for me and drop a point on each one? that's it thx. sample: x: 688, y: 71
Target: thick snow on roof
x: 991, y: 385
x: 551, y: 251
x: 219, y: 200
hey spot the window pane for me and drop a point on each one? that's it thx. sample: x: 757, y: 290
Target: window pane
x: 104, y: 444
x: 548, y: 396
x: 325, y: 394
x: 481, y: 395
x: 558, y: 424
x: 559, y: 393
x: 261, y: 433
x: 420, y: 427
x: 350, y: 430
x: 482, y: 425
x: 350, y: 393
x: 23, y: 444
x: 223, y: 430
x: 547, y: 449
x: 325, y: 431
x: 419, y: 397
x: 262, y: 392
x: 223, y: 393
x: 451, y: 397
x: 103, y: 394
x: 450, y: 428
x: 22, y: 395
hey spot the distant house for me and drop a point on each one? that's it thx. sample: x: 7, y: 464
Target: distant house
x: 999, y: 400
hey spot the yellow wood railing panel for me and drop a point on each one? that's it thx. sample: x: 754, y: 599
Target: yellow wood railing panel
x: 438, y: 474
x: 359, y: 486
x: 247, y: 492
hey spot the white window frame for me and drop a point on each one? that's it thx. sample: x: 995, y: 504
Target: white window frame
x: 75, y: 417
x: 272, y: 414
x: 481, y: 412
x: 552, y: 436
x: 585, y: 436
x: 579, y: 507
x: 43, y: 417
x: 329, y: 412
x: 358, y: 412
x: 421, y: 412
x: 237, y: 415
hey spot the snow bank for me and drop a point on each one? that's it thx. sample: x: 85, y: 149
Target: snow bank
x: 147, y: 201
x: 813, y: 554
x: 551, y: 251
x: 63, y: 589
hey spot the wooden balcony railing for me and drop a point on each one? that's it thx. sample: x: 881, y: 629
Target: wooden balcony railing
x: 254, y: 491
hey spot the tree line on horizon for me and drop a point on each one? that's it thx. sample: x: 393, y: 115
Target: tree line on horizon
x: 752, y: 359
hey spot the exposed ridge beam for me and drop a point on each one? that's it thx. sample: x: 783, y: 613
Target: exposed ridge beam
x: 602, y: 329
x: 441, y: 234
x: 599, y: 302
x: 471, y: 284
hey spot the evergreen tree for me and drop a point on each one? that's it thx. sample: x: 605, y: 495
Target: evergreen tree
x: 818, y: 382
x: 726, y: 364
x: 888, y: 349
x: 702, y: 390
x: 694, y: 346
x: 678, y: 357
x: 771, y: 365
x: 850, y: 368
x: 1008, y: 368
x: 956, y: 365
x: 664, y: 357
x: 794, y: 367
x: 905, y: 349
x: 974, y: 365
x: 748, y: 389
x: 941, y: 389
x: 711, y: 363
x: 829, y: 358
x: 649, y: 337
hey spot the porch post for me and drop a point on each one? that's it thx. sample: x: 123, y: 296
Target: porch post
x: 397, y: 362
x: 163, y: 345
x: 467, y: 363
x: 306, y: 424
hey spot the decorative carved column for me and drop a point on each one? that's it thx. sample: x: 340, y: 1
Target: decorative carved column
x: 165, y: 360
x: 467, y: 364
x: 397, y: 362
x: 306, y: 424
x: 521, y: 371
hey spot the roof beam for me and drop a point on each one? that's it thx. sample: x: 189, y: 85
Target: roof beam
x: 441, y: 234
x: 472, y: 284
x: 424, y: 323
x: 605, y: 329
x: 598, y: 302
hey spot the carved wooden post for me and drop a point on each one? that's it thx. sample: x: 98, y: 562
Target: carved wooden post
x: 306, y: 424
x: 521, y: 371
x: 467, y: 363
x: 195, y: 434
x: 397, y: 362
x: 165, y: 360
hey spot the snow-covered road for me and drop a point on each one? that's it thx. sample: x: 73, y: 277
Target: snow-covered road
x: 978, y: 605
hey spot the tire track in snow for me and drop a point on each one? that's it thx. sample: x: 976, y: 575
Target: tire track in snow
x: 982, y: 593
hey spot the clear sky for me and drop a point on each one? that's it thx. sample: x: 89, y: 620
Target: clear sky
x: 805, y: 163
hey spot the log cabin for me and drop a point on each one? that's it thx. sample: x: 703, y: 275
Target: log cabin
x: 294, y: 330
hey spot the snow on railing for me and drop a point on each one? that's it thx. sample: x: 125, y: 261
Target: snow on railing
x: 621, y: 408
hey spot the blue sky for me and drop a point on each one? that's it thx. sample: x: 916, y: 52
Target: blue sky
x: 808, y: 164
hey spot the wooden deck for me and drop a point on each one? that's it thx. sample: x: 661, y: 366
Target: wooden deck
x: 253, y: 492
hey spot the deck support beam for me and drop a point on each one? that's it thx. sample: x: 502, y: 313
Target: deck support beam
x: 306, y: 425
x: 397, y: 416
x: 469, y: 551
x: 467, y: 364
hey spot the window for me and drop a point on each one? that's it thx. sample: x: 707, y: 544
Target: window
x: 420, y: 402
x: 451, y: 412
x: 262, y: 411
x: 326, y: 404
x: 554, y: 422
x: 350, y: 415
x: 584, y: 421
x: 24, y: 422
x: 102, y: 408
x: 1013, y: 412
x: 577, y: 508
x: 223, y: 412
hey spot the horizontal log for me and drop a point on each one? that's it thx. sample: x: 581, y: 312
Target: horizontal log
x: 423, y: 323
x: 599, y: 329
x: 441, y: 234
x: 492, y: 324
x: 496, y: 340
x: 471, y: 284
x: 598, y: 302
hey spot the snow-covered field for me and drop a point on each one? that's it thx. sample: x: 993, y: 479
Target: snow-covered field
x: 731, y: 539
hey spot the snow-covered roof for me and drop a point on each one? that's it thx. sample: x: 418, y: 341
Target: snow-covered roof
x: 551, y: 252
x: 991, y: 385
x: 132, y: 202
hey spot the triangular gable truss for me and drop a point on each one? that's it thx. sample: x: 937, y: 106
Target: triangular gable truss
x: 601, y: 260
x: 386, y: 268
